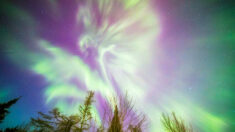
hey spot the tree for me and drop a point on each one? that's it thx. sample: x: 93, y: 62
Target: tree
x: 119, y: 116
x: 55, y: 121
x: 130, y: 119
x: 20, y: 128
x: 85, y: 115
x: 174, y: 124
x: 115, y: 125
x: 4, y: 108
x: 46, y: 122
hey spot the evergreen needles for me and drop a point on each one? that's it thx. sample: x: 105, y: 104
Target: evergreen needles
x: 57, y: 122
x: 174, y: 124
x: 115, y: 125
x: 119, y: 116
x: 4, y: 108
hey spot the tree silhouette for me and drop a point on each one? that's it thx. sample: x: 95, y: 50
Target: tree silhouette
x: 124, y: 118
x: 129, y: 118
x: 4, y: 108
x: 174, y: 124
x: 58, y: 122
x: 20, y: 128
x: 115, y: 125
x: 85, y: 115
x: 54, y: 121
x: 46, y: 122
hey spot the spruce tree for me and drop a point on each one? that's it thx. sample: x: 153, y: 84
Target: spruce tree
x: 85, y: 115
x: 4, y: 108
x: 174, y: 124
x: 116, y: 125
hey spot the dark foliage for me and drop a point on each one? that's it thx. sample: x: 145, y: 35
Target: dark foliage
x: 54, y: 121
x: 85, y: 115
x: 58, y: 122
x: 124, y: 118
x: 115, y: 125
x: 21, y: 128
x: 4, y: 108
x: 174, y: 124
x: 130, y: 120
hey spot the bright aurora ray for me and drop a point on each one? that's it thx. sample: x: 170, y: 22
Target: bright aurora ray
x: 168, y: 55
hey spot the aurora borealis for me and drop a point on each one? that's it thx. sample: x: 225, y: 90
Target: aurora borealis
x: 168, y: 55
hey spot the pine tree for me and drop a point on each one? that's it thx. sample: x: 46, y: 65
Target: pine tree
x: 45, y: 122
x: 54, y: 121
x: 4, y: 108
x: 173, y: 124
x: 58, y: 122
x: 115, y: 125
x: 19, y: 128
x: 85, y: 115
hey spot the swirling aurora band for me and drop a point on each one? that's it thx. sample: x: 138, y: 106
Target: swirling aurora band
x: 169, y: 56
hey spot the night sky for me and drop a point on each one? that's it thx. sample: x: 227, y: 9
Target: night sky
x: 169, y: 55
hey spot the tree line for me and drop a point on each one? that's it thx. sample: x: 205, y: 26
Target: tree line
x: 119, y: 116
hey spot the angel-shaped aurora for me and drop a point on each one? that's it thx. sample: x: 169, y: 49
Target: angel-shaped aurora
x: 117, y: 47
x: 118, y: 37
